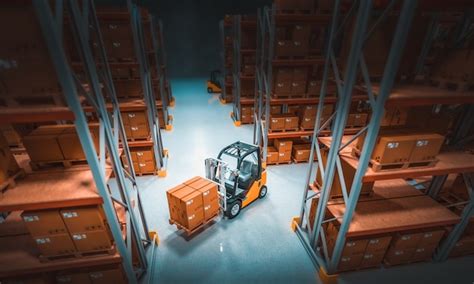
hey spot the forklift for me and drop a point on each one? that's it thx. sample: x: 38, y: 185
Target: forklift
x: 213, y: 85
x: 241, y: 177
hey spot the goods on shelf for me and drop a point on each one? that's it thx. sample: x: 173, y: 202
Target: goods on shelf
x: 284, y: 122
x: 283, y: 146
x: 305, y: 6
x: 136, y: 125
x: 57, y: 143
x: 143, y: 159
x: 11, y: 135
x: 193, y: 203
x: 9, y: 168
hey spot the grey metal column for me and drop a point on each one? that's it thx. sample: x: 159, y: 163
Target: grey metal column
x: 391, y: 67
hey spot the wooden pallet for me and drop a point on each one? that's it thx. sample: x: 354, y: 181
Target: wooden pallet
x: 11, y: 181
x: 131, y: 139
x: 75, y: 255
x: 283, y: 130
x: 188, y: 232
x: 279, y: 163
x: 377, y: 167
x: 55, y: 164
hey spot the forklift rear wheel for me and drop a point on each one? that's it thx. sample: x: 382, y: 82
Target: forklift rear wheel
x: 263, y: 192
x: 209, y: 90
x: 234, y: 209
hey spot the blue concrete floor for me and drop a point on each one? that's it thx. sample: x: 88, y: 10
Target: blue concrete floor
x: 258, y: 246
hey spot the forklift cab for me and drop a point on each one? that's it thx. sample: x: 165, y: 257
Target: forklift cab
x: 248, y: 184
x: 213, y: 84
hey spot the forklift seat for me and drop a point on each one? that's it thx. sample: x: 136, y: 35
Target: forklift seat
x: 247, y: 174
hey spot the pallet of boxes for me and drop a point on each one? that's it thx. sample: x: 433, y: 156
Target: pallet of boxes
x: 193, y: 204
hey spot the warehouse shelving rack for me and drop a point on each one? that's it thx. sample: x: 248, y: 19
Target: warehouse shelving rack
x: 225, y: 29
x: 267, y: 20
x: 314, y: 240
x: 84, y: 25
x: 161, y: 154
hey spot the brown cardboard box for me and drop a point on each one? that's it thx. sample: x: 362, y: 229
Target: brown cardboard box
x: 192, y: 180
x: 406, y: 241
x: 83, y: 219
x: 291, y: 122
x: 247, y: 118
x: 55, y: 245
x: 282, y: 89
x: 298, y: 88
x: 172, y: 201
x: 427, y: 146
x: 357, y: 119
x: 70, y: 144
x: 175, y: 200
x: 308, y: 110
x: 293, y: 110
x: 283, y: 48
x: 284, y: 157
x: 209, y: 192
x: 248, y: 110
x: 283, y: 145
x: 301, y: 152
x: 211, y: 208
x: 197, y: 182
x: 392, y: 148
x: 272, y: 155
x: 44, y: 222
x: 191, y: 208
x: 8, y: 164
x: 11, y: 135
x: 43, y: 148
x: 114, y: 276
x: 275, y: 110
x: 372, y: 259
x: 350, y: 262
x: 283, y: 75
x: 464, y: 246
x: 379, y: 244
x: 308, y: 122
x: 76, y: 278
x: 423, y: 253
x: 429, y: 239
x: 399, y: 256
x: 139, y: 131
x: 92, y: 241
x: 351, y: 247
x: 301, y: 32
x: 277, y: 122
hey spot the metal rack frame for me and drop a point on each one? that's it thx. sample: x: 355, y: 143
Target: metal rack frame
x: 222, y: 30
x: 311, y: 238
x: 161, y: 157
x: 236, y: 66
x: 84, y: 25
x: 314, y: 240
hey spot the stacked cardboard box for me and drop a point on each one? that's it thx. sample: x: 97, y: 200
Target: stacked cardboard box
x: 8, y: 164
x: 399, y: 147
x: 413, y: 247
x: 247, y: 114
x: 290, y: 82
x: 272, y: 155
x: 301, y: 152
x: 11, y: 135
x: 143, y: 159
x: 465, y: 245
x: 283, y: 147
x: 51, y: 143
x: 357, y: 119
x: 136, y: 124
x: 395, y: 116
x: 68, y: 231
x: 193, y: 202
x: 281, y: 122
x: 307, y: 115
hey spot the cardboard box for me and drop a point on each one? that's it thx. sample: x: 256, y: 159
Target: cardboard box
x: 70, y: 144
x: 423, y: 253
x: 8, y: 164
x: 272, y: 155
x: 76, y: 278
x: 399, y: 256
x: 291, y: 122
x: 44, y: 223
x: 12, y: 137
x: 84, y: 219
x: 246, y: 118
x: 277, y: 122
x: 43, y: 148
x: 406, y: 241
x: 357, y: 119
x: 275, y: 109
x: 427, y: 147
x: 282, y: 89
x: 191, y: 209
x: 283, y: 145
x: 211, y: 208
x: 108, y: 276
x: 301, y: 152
x: 33, y: 279
x: 372, y: 259
x: 248, y: 110
x: 298, y: 88
x: 379, y: 244
x: 351, y: 247
x: 55, y: 245
x: 283, y: 75
x: 301, y: 32
x: 92, y: 241
x: 308, y: 110
x: 308, y: 122
x: 172, y: 201
x: 429, y: 239
x: 284, y: 157
x: 293, y: 110
x: 350, y: 262
x: 139, y: 131
x: 391, y: 148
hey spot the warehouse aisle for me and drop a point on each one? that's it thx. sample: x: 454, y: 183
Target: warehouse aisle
x: 258, y: 245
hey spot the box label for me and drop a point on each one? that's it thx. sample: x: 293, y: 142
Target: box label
x: 32, y: 218
x: 78, y: 237
x: 70, y: 214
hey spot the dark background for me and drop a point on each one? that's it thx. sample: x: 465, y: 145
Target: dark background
x: 191, y: 31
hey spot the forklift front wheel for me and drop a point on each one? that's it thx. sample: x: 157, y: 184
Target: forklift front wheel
x: 263, y: 192
x: 209, y: 90
x: 234, y: 209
